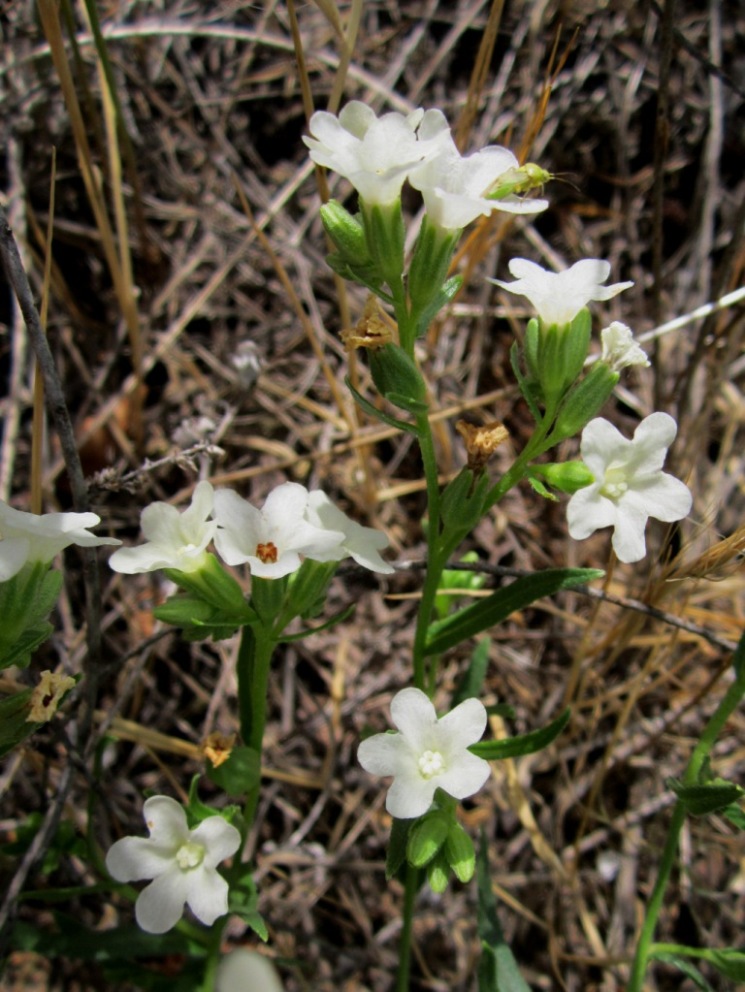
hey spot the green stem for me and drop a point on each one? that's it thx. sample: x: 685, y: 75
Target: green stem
x: 213, y: 956
x: 254, y: 660
x: 404, y: 957
x: 728, y: 705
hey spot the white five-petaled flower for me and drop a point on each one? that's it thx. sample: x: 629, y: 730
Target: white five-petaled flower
x: 454, y: 187
x: 175, y: 539
x: 629, y: 486
x: 30, y: 537
x: 364, y: 544
x: 374, y: 153
x: 271, y: 540
x: 619, y: 347
x: 181, y: 862
x: 427, y: 753
x: 559, y: 296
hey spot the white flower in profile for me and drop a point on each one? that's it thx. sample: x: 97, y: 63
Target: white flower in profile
x: 271, y: 540
x: 559, y: 296
x: 246, y: 971
x: 175, y: 539
x: 364, y: 544
x: 427, y: 754
x: 619, y: 348
x: 181, y: 862
x: 33, y: 537
x: 629, y: 486
x: 454, y: 186
x: 374, y: 153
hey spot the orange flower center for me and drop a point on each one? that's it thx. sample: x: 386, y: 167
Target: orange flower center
x: 267, y: 552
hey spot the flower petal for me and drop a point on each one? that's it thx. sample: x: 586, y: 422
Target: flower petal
x: 661, y: 496
x: 652, y: 437
x: 160, y: 905
x: 410, y: 796
x: 207, y: 894
x: 219, y: 838
x: 385, y: 754
x: 414, y: 714
x: 463, y: 726
x: 628, y: 536
x: 588, y: 511
x: 464, y: 777
x: 133, y: 858
x: 166, y: 821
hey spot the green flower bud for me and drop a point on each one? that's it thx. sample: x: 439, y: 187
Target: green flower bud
x: 397, y: 377
x: 567, y: 477
x: 429, y: 265
x: 585, y: 401
x: 438, y: 872
x: 426, y: 837
x: 463, y: 501
x: 346, y: 232
x: 460, y: 853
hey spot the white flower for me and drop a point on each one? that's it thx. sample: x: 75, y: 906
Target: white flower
x: 559, y: 296
x: 374, y: 153
x: 453, y: 186
x: 174, y: 539
x: 619, y: 347
x: 181, y: 862
x: 361, y: 543
x: 271, y: 540
x: 29, y: 537
x: 427, y: 754
x: 246, y: 971
x: 629, y: 486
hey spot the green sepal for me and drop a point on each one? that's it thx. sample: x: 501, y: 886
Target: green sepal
x: 398, y: 379
x: 366, y: 275
x: 26, y: 600
x: 531, y: 348
x: 268, y: 598
x: 460, y: 853
x: 214, y: 585
x: 473, y: 619
x: 529, y: 388
x: 462, y: 503
x: 197, y: 811
x: 385, y: 237
x: 307, y: 589
x: 445, y: 294
x: 706, y: 797
x: 567, y: 477
x: 200, y: 620
x: 426, y: 837
x: 240, y: 773
x: 428, y: 270
x: 515, y: 747
x: 244, y: 902
x: 346, y: 232
x: 584, y: 402
x: 538, y: 487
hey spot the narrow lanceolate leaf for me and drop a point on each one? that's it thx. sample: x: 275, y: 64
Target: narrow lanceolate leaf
x: 707, y: 797
x: 514, y: 747
x: 474, y: 619
x: 498, y: 969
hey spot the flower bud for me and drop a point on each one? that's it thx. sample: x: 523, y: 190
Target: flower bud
x: 429, y: 265
x: 585, y: 401
x: 346, y: 232
x: 460, y: 853
x: 426, y: 837
x: 385, y: 236
x: 567, y: 477
x: 438, y: 872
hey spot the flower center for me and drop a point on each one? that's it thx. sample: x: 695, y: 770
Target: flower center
x: 267, y: 552
x: 614, y: 482
x: 189, y: 855
x: 430, y: 763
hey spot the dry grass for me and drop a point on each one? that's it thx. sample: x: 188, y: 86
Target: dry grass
x: 211, y: 101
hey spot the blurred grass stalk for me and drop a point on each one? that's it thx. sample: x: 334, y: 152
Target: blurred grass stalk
x: 115, y: 247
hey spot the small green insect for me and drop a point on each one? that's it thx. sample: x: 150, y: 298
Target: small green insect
x: 521, y: 179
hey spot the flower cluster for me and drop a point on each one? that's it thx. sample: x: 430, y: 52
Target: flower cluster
x: 378, y: 154
x: 292, y: 524
x: 31, y: 537
x: 181, y: 862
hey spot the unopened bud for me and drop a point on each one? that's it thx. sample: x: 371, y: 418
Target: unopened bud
x: 426, y: 837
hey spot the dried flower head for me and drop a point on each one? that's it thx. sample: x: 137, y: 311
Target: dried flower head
x: 373, y: 330
x: 481, y: 441
x: 218, y: 747
x: 46, y: 696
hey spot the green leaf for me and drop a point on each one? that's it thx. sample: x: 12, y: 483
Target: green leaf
x: 688, y: 969
x: 473, y: 678
x: 14, y: 726
x: 738, y: 659
x: 445, y: 634
x: 498, y: 969
x: 514, y: 747
x: 706, y: 797
x: 239, y: 774
x: 728, y: 961
x: 26, y: 600
x: 244, y: 901
x: 373, y: 411
x: 736, y: 815
x: 306, y: 632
